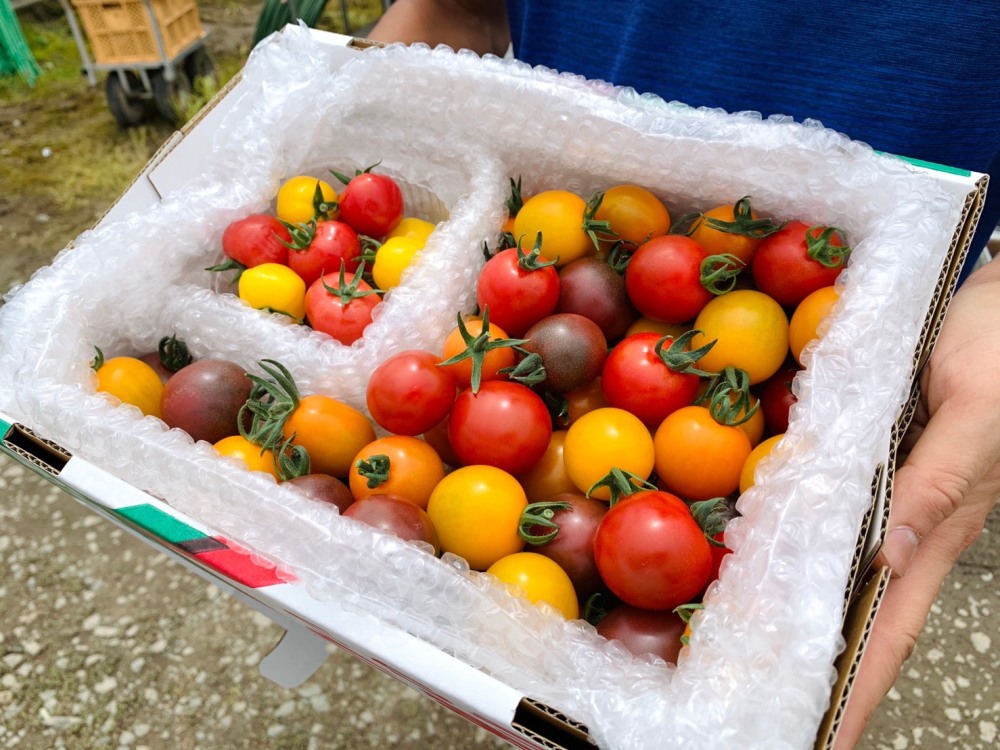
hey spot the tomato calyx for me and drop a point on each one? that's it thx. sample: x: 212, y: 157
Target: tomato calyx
x: 712, y: 516
x: 348, y: 291
x: 375, y: 469
x: 530, y: 370
x: 270, y: 403
x: 686, y: 612
x: 727, y: 397
x: 743, y: 222
x: 302, y: 234
x: 822, y: 250
x: 476, y: 348
x: 515, y: 202
x: 620, y: 254
x: 98, y: 361
x: 558, y: 406
x: 596, y: 607
x: 620, y: 484
x: 532, y: 260
x: 173, y: 353
x: 593, y: 226
x: 290, y: 461
x: 230, y: 264
x: 540, y: 514
x: 678, y: 358
x: 720, y: 272
x: 357, y: 172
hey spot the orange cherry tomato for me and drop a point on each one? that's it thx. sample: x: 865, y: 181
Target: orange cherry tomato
x: 548, y: 477
x: 331, y: 431
x: 559, y: 216
x: 396, y: 465
x: 131, y: 381
x: 698, y: 458
x: 808, y: 318
x: 584, y: 400
x: 493, y: 361
x: 742, y: 241
x: 237, y: 446
x: 759, y: 453
x: 635, y: 214
x: 606, y: 439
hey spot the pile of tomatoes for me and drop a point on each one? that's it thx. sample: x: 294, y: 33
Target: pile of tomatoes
x: 584, y: 434
x: 322, y: 259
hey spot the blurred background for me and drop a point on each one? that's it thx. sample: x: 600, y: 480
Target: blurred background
x: 105, y: 642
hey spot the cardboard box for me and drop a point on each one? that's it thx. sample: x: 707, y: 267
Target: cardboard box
x: 481, y: 698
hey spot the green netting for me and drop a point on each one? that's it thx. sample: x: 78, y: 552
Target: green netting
x: 278, y: 13
x: 15, y: 56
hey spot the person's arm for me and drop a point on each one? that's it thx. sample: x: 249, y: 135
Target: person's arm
x: 944, y: 490
x: 479, y: 25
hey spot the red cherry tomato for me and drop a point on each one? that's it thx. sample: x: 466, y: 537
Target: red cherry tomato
x: 776, y: 399
x: 338, y: 312
x: 331, y: 243
x: 409, y: 394
x: 256, y: 239
x: 517, y: 290
x: 799, y: 259
x: 663, y: 279
x: 372, y: 204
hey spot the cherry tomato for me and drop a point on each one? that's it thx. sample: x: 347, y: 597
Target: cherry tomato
x: 325, y: 489
x: 592, y: 288
x: 476, y: 511
x: 648, y: 325
x: 642, y: 631
x: 392, y: 259
x: 732, y: 229
x: 585, y: 399
x: 328, y: 244
x: 663, y: 279
x: 296, y: 201
x: 538, y: 579
x: 409, y: 394
x: 399, y: 465
x: 205, y: 398
x: 808, y: 317
x: 638, y: 379
x: 571, y: 347
x: 493, y: 361
x: 131, y: 381
x: 438, y: 439
x: 798, y: 260
x: 340, y: 305
x: 396, y: 516
x: 560, y: 217
x: 548, y: 476
x: 372, y: 204
x: 651, y: 552
x: 331, y: 431
x: 776, y: 398
x: 750, y: 331
x: 602, y: 440
x: 572, y: 547
x: 747, y: 479
x: 518, y: 291
x: 698, y: 458
x: 273, y: 287
x: 256, y: 239
x: 634, y: 213
x: 505, y: 424
x: 410, y: 226
x: 255, y: 459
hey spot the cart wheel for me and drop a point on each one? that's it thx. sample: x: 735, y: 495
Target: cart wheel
x: 199, y: 65
x: 171, y: 97
x: 127, y: 111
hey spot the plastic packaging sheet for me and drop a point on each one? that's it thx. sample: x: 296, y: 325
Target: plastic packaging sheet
x: 453, y: 129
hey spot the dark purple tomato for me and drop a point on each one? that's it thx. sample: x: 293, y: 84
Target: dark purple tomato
x: 572, y: 347
x: 573, y: 546
x: 325, y: 488
x: 643, y: 631
x: 592, y: 288
x: 396, y: 516
x: 204, y: 399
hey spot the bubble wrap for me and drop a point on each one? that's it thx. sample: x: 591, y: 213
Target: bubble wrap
x: 452, y: 128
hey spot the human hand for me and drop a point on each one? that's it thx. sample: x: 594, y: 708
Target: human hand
x: 944, y: 490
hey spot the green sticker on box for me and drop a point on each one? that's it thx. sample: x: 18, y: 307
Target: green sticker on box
x: 159, y: 523
x: 930, y: 165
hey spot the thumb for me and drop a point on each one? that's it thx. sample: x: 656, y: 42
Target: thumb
x: 954, y: 453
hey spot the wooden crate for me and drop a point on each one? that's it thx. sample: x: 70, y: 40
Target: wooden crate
x: 123, y: 32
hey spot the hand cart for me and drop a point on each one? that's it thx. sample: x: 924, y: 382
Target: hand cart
x: 153, y: 50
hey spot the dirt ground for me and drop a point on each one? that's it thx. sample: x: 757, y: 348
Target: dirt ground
x: 105, y: 642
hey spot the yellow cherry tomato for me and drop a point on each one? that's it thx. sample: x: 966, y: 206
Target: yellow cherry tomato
x: 756, y: 455
x: 476, y: 511
x: 635, y: 214
x: 392, y: 259
x: 560, y: 217
x: 332, y: 432
x: 548, y: 477
x: 296, y: 200
x: 698, y: 458
x: 412, y: 227
x: 539, y: 579
x: 750, y: 331
x: 602, y: 440
x: 648, y: 325
x: 131, y: 381
x: 808, y: 316
x: 274, y: 287
x: 237, y: 446
x: 396, y: 465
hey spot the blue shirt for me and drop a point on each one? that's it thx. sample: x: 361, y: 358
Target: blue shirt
x: 918, y: 78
